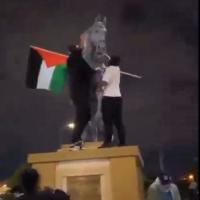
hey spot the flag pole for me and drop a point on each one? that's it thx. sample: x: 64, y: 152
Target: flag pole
x: 124, y: 73
x: 131, y: 75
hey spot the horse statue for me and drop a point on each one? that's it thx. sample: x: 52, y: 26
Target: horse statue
x: 94, y: 52
x: 93, y: 43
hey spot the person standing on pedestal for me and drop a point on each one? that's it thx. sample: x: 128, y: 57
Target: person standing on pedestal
x: 112, y: 102
x: 80, y: 82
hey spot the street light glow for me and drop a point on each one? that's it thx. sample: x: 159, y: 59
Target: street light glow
x: 191, y: 177
x: 4, y: 186
x: 71, y: 125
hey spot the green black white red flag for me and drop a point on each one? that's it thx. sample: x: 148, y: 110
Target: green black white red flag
x: 46, y: 70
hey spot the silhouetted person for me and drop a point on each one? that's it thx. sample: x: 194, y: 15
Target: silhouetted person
x: 30, y: 183
x: 80, y: 79
x: 60, y: 195
x: 47, y: 194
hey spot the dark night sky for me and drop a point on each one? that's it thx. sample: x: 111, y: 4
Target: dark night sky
x: 155, y: 38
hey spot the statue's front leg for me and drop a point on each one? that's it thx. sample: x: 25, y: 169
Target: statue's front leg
x: 98, y: 114
x: 99, y: 95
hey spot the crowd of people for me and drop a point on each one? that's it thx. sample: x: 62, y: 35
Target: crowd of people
x: 29, y: 189
x: 163, y: 188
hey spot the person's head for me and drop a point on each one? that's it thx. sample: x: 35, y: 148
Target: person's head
x: 60, y: 195
x: 47, y: 193
x: 165, y: 180
x: 30, y: 180
x: 73, y: 48
x: 114, y: 61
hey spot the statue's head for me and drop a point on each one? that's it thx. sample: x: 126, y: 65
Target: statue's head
x: 94, y: 40
x: 98, y: 29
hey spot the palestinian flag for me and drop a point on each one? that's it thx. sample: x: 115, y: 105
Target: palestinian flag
x: 46, y: 70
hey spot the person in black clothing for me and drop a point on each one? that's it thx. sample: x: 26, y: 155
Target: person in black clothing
x: 80, y: 85
x: 30, y: 183
x: 30, y: 180
x: 47, y: 194
x: 60, y: 195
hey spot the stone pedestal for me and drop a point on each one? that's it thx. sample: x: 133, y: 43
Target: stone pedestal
x: 93, y: 174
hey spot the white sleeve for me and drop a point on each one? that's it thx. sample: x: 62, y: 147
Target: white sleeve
x: 176, y: 192
x: 106, y: 76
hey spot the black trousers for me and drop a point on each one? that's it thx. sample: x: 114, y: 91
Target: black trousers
x: 112, y: 116
x: 83, y: 116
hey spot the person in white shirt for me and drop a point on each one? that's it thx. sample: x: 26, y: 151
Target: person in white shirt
x: 112, y: 102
